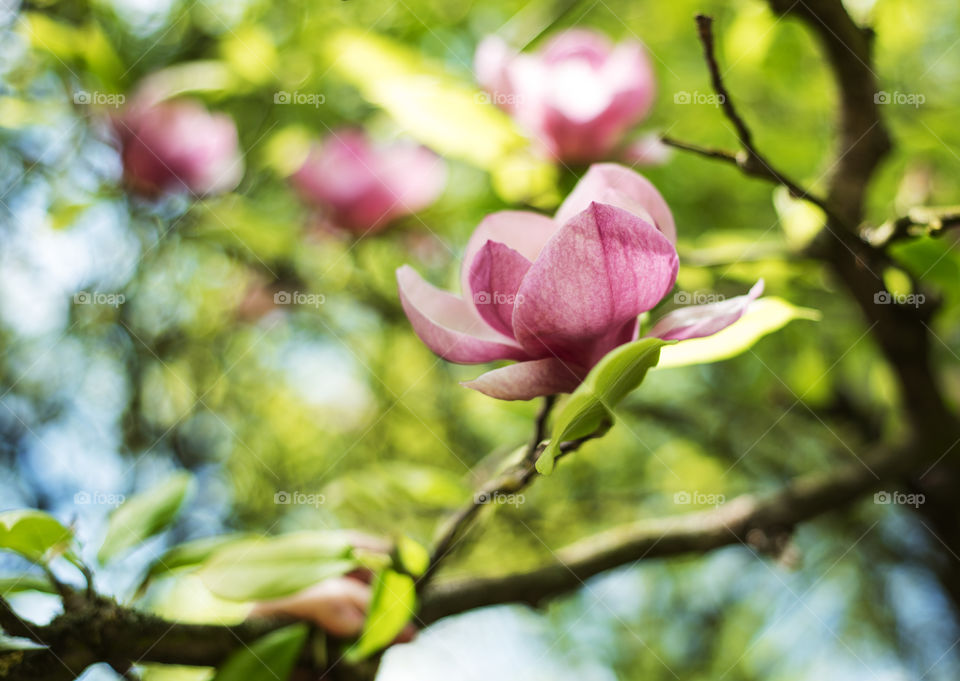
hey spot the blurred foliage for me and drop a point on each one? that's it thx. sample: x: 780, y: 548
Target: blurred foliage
x: 199, y: 368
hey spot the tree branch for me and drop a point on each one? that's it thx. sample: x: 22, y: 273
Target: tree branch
x: 749, y: 160
x: 511, y: 481
x: 748, y: 519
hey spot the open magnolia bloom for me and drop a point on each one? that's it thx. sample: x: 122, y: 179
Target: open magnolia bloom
x: 559, y: 294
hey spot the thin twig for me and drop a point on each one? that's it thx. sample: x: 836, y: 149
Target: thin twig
x: 750, y: 161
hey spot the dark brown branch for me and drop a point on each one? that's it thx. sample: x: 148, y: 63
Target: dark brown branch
x: 742, y: 520
x: 862, y: 138
x: 749, y: 160
x: 102, y: 631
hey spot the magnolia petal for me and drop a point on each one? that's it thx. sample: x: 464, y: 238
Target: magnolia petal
x: 526, y: 380
x: 495, y: 276
x: 450, y: 326
x: 601, y: 270
x: 619, y: 186
x: 523, y: 231
x: 697, y: 321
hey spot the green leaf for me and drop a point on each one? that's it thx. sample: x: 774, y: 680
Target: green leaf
x: 271, y: 658
x: 19, y: 583
x: 189, y: 554
x: 143, y: 516
x: 414, y: 558
x: 272, y: 567
x: 393, y: 603
x: 765, y: 316
x: 589, y: 408
x: 35, y: 535
x: 447, y: 114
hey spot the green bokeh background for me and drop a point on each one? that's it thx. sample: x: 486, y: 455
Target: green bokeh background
x: 198, y: 368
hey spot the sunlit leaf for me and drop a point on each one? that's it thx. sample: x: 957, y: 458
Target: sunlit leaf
x: 765, y: 316
x: 413, y: 556
x: 589, y: 408
x: 271, y: 567
x: 35, y: 535
x: 451, y: 116
x: 393, y: 603
x: 271, y: 658
x: 143, y: 516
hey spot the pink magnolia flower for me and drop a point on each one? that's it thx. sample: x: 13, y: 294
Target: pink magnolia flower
x: 364, y: 186
x: 577, y: 97
x: 558, y: 294
x: 177, y: 145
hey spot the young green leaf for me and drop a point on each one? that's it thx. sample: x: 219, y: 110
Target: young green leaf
x: 589, y: 408
x: 35, y: 535
x: 15, y: 584
x: 765, y: 316
x: 190, y: 554
x: 271, y: 658
x: 393, y: 603
x: 264, y: 568
x: 143, y: 516
x: 414, y: 558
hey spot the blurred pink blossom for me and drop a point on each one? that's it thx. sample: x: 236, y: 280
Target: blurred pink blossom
x: 363, y: 186
x: 577, y: 97
x: 177, y: 145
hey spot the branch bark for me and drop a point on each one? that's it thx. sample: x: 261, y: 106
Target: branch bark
x: 747, y: 520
